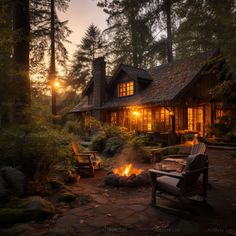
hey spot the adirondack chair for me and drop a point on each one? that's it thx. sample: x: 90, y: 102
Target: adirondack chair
x: 181, y: 185
x: 86, y: 161
x: 199, y: 148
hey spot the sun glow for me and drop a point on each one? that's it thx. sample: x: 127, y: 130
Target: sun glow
x: 56, y: 84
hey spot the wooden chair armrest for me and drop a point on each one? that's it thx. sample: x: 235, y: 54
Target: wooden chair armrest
x: 83, y: 155
x: 92, y: 152
x: 176, y: 156
x: 194, y: 171
x: 158, y: 172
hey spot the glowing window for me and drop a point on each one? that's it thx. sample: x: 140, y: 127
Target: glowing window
x: 113, y: 118
x: 126, y: 89
x: 146, y: 119
x: 195, y: 119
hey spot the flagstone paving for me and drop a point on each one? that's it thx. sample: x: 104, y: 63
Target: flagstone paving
x: 127, y: 211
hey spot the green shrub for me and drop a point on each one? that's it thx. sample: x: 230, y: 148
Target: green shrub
x: 74, y: 127
x: 189, y: 137
x: 93, y: 126
x: 144, y: 155
x: 98, y: 142
x: 137, y: 141
x: 219, y: 130
x: 171, y: 151
x: 34, y: 149
x: 116, y: 131
x: 109, y: 138
x: 113, y: 144
x: 231, y: 136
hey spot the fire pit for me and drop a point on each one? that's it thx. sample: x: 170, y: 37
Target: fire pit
x: 127, y: 176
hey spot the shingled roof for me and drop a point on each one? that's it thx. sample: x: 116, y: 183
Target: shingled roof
x: 167, y: 82
x: 132, y: 72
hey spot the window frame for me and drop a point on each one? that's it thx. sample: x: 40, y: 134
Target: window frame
x: 126, y: 89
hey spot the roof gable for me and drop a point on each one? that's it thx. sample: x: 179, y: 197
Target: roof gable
x: 132, y: 72
x: 168, y: 81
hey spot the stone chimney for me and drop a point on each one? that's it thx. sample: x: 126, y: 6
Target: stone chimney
x: 99, y: 80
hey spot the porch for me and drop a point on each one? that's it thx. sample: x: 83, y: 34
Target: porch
x: 166, y: 119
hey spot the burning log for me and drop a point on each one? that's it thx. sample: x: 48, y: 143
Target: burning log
x: 127, y: 176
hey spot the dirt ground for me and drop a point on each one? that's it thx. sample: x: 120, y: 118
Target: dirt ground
x: 127, y: 211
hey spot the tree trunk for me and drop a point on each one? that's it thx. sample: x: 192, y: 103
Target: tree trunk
x: 134, y: 42
x: 53, y: 63
x: 21, y: 50
x: 169, y: 31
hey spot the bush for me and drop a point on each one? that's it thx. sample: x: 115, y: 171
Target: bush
x: 219, y: 130
x: 231, y: 136
x: 113, y: 144
x: 93, y: 126
x: 109, y: 139
x: 74, y: 127
x: 138, y: 141
x: 98, y: 142
x: 34, y: 149
x: 172, y: 151
x: 189, y: 137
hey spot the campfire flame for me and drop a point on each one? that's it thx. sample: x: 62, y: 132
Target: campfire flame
x: 127, y: 170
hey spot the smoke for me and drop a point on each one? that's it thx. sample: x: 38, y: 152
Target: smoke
x: 127, y: 155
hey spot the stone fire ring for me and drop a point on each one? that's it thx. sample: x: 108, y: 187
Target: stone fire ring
x: 128, y: 181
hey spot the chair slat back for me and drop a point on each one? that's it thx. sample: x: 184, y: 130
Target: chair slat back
x: 193, y: 163
x: 199, y: 148
x: 75, y: 148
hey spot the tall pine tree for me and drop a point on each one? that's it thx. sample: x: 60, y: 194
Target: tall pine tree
x: 207, y: 26
x: 91, y: 45
x: 130, y: 31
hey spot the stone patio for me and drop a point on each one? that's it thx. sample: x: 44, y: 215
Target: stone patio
x: 127, y: 211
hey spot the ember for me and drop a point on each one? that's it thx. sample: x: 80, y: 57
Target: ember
x: 127, y: 170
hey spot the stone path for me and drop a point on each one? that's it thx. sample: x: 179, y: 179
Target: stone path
x: 127, y: 211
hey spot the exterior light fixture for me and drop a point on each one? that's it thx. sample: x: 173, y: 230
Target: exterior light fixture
x: 136, y: 113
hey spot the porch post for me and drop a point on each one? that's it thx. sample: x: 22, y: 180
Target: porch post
x: 173, y: 129
x: 172, y: 140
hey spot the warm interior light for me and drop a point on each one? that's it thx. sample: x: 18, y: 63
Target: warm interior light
x: 136, y: 113
x: 171, y: 113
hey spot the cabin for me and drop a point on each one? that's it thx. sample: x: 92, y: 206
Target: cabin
x: 174, y: 98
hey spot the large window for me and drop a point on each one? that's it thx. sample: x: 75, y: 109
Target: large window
x: 126, y: 89
x: 114, y: 118
x: 146, y: 119
x: 195, y: 119
x: 162, y: 119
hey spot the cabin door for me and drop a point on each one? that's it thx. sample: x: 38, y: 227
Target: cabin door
x: 195, y: 120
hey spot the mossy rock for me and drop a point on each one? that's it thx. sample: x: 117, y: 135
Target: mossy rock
x: 22, y: 210
x: 57, y: 185
x: 3, y: 190
x: 67, y: 197
x: 15, y: 230
x: 14, y: 179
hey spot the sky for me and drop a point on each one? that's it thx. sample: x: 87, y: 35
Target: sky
x: 81, y: 13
